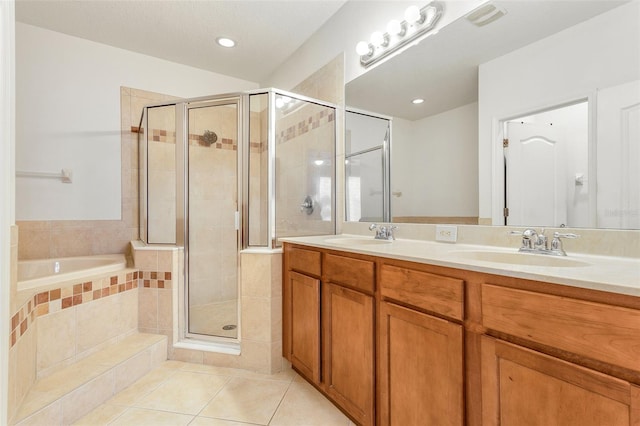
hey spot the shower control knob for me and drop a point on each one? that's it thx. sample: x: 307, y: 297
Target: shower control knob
x: 307, y: 205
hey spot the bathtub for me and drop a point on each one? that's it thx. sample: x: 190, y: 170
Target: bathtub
x: 41, y: 273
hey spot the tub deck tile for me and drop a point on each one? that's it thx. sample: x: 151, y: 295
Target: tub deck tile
x: 112, y: 360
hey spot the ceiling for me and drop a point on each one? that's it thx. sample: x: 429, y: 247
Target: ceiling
x: 443, y: 68
x: 184, y: 31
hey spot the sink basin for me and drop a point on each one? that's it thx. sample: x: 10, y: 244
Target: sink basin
x: 519, y: 258
x: 357, y: 241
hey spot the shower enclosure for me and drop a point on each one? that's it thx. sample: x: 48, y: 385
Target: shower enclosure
x: 232, y: 172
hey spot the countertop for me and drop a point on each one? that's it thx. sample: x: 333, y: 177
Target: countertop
x: 605, y: 273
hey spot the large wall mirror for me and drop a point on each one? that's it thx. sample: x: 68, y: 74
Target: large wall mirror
x: 560, y: 80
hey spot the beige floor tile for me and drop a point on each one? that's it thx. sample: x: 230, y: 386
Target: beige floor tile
x: 184, y: 392
x: 142, y: 417
x: 247, y: 400
x: 207, y: 421
x: 101, y: 416
x: 211, y: 369
x: 283, y: 376
x: 304, y: 405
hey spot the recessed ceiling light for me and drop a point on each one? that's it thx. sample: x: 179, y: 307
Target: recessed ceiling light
x: 225, y: 42
x: 417, y: 101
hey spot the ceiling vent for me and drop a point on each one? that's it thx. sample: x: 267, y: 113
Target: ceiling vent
x: 486, y: 14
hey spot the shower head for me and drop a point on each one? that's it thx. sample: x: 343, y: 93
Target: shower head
x: 208, y: 138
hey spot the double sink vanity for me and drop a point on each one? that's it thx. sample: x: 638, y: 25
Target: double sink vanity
x: 409, y: 332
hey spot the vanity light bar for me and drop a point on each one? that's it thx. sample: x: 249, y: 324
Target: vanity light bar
x: 417, y: 23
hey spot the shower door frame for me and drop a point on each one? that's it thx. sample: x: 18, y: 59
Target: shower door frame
x: 183, y: 339
x: 182, y: 209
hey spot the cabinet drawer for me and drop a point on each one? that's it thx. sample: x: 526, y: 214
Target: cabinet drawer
x: 307, y: 261
x: 435, y: 293
x: 602, y: 332
x: 356, y: 273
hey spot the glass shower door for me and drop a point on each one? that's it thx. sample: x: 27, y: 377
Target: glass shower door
x: 212, y: 205
x: 367, y: 155
x: 305, y: 135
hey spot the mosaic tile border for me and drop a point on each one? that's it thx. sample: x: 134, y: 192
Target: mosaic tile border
x: 154, y: 279
x: 304, y: 126
x: 57, y: 299
x: 164, y: 136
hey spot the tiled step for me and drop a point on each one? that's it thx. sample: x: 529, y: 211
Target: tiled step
x: 77, y: 389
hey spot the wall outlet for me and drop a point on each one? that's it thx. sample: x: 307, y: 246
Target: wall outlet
x: 447, y: 233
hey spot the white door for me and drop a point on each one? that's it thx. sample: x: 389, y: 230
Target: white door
x: 618, y: 162
x: 536, y: 175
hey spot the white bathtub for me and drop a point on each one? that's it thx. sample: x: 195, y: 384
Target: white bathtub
x: 41, y: 273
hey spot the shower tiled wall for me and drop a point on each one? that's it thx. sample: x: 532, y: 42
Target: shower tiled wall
x: 161, y: 175
x: 260, y: 304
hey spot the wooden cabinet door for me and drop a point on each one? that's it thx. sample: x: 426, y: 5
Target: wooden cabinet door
x: 420, y: 369
x: 303, y: 323
x: 348, y: 349
x: 522, y: 387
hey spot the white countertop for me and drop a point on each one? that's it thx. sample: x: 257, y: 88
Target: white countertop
x: 604, y: 273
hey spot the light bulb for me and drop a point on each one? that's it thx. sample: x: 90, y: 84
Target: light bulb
x: 377, y: 38
x: 412, y: 14
x: 363, y: 48
x: 225, y: 42
x: 286, y: 99
x: 318, y: 162
x: 417, y: 101
x: 430, y: 14
x: 394, y: 27
x: 279, y: 103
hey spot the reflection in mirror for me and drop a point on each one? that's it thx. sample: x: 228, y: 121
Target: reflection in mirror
x: 447, y: 159
x: 547, y: 169
x: 366, y: 167
x: 618, y: 148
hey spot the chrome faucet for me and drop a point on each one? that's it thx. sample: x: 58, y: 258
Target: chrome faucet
x: 383, y: 232
x: 534, y: 242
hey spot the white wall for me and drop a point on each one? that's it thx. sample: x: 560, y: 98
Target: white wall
x: 427, y: 153
x: 352, y: 23
x: 7, y: 141
x: 68, y: 116
x: 601, y: 52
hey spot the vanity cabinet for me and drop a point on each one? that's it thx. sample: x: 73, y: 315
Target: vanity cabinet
x: 301, y: 312
x: 400, y: 343
x: 525, y: 387
x: 329, y: 326
x: 421, y: 356
x: 420, y: 369
x: 304, y: 293
x: 348, y: 349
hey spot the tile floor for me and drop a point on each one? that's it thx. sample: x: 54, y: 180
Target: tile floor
x: 180, y: 393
